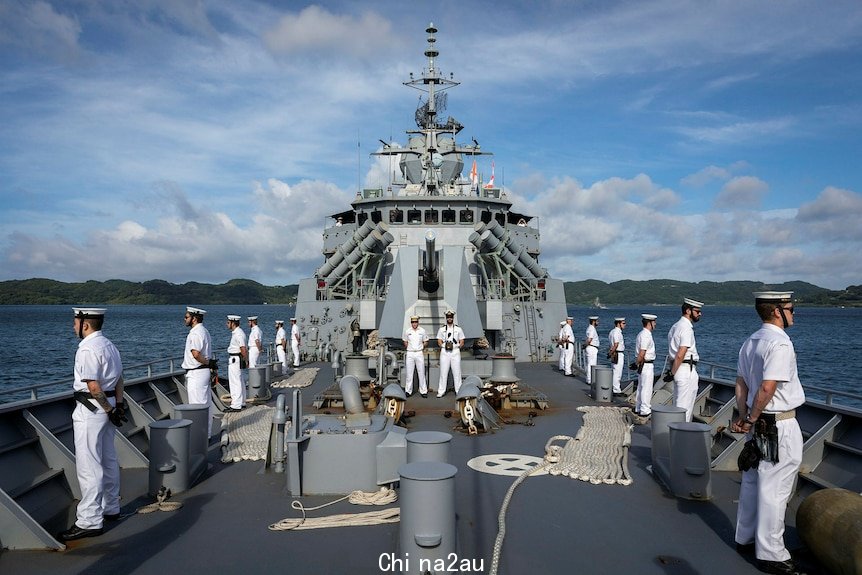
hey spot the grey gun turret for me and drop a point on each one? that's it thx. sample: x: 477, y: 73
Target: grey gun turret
x: 430, y: 277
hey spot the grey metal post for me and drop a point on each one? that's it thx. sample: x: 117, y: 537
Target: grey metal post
x: 427, y: 527
x: 690, y: 475
x: 279, y: 419
x: 257, y: 387
x: 169, y: 455
x: 594, y: 384
x: 350, y: 394
x: 662, y: 416
x: 198, y: 440
x: 603, y: 378
x: 428, y: 446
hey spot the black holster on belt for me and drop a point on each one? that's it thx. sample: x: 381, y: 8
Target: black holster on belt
x: 766, y: 436
x: 750, y: 456
x: 84, y: 397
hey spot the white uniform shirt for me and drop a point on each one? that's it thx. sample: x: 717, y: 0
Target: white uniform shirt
x: 567, y: 332
x: 199, y: 339
x: 681, y: 334
x: 415, y: 338
x: 280, y: 335
x: 560, y: 336
x: 255, y: 335
x: 592, y: 333
x: 616, y: 336
x: 454, y: 334
x: 97, y: 359
x: 294, y: 332
x: 237, y: 340
x: 645, y: 341
x: 769, y: 355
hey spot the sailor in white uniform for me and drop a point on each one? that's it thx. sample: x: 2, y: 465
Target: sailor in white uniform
x: 281, y: 344
x: 682, y: 351
x: 768, y: 391
x: 617, y: 344
x: 294, y: 341
x: 237, y: 352
x: 415, y: 339
x: 450, y: 338
x: 255, y: 341
x: 196, y: 358
x: 98, y: 391
x: 560, y: 346
x: 591, y: 345
x: 644, y: 363
x: 567, y: 337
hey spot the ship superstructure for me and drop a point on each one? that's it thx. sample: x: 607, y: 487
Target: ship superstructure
x: 433, y: 240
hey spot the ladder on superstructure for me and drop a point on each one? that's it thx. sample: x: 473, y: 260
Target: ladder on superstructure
x: 532, y: 332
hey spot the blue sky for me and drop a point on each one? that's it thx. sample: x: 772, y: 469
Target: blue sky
x: 210, y: 139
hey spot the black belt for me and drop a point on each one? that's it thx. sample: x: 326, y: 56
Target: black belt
x: 691, y: 362
x: 591, y: 345
x: 649, y: 360
x: 198, y: 367
x: 234, y: 353
x: 83, y: 398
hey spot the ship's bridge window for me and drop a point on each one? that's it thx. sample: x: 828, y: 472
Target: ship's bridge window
x: 414, y: 216
x: 431, y: 216
x: 362, y: 217
x: 466, y: 216
x: 501, y: 219
x: 448, y: 216
x: 486, y: 217
x: 376, y: 216
x: 396, y: 216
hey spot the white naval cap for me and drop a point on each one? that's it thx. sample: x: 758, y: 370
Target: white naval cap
x: 562, y: 323
x: 619, y: 319
x: 293, y: 319
x: 252, y: 318
x: 449, y: 312
x: 279, y: 322
x: 773, y: 296
x: 233, y: 318
x: 593, y: 317
x: 649, y: 316
x: 568, y: 317
x: 414, y: 318
x: 85, y: 312
x: 195, y: 310
x: 692, y: 302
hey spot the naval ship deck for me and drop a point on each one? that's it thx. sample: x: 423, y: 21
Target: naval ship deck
x: 554, y: 524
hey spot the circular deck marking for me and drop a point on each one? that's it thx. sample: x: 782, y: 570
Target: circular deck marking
x: 506, y: 464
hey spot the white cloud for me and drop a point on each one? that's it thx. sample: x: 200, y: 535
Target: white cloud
x: 742, y: 192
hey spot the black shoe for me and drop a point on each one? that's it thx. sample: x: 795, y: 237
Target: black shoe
x: 230, y: 410
x: 111, y: 516
x: 779, y: 567
x: 745, y: 548
x: 620, y: 394
x: 424, y: 394
x: 77, y: 533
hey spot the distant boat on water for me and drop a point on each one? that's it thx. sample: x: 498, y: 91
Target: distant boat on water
x: 598, y: 304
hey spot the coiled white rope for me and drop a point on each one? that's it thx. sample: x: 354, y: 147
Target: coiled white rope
x: 384, y: 496
x: 301, y: 378
x: 246, y: 435
x: 161, y: 503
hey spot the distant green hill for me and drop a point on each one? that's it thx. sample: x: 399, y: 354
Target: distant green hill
x: 243, y: 291
x: 152, y: 292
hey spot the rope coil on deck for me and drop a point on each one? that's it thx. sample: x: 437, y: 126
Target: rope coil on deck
x: 301, y: 378
x: 247, y: 434
x: 384, y: 496
x: 161, y: 503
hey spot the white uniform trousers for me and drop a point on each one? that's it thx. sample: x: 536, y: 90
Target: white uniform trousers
x: 568, y: 356
x: 253, y: 355
x: 643, y: 399
x: 198, y: 386
x: 562, y: 357
x: 414, y: 359
x: 294, y: 347
x: 449, y: 360
x: 685, y: 388
x: 96, y: 465
x: 618, y: 371
x: 282, y: 357
x: 236, y: 382
x: 764, y: 493
x: 592, y: 353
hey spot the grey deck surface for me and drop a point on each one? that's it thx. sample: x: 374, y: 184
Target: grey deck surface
x: 555, y: 524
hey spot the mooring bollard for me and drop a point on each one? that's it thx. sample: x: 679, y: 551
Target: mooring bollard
x: 427, y: 527
x: 428, y: 446
x: 690, y: 473
x: 169, y: 455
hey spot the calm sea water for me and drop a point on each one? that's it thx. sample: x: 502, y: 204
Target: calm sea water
x: 42, y: 344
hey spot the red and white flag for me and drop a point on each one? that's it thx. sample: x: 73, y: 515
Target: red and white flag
x: 490, y: 183
x: 474, y: 175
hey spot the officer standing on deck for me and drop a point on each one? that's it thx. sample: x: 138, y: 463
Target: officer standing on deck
x: 567, y: 337
x: 196, y: 361
x: 560, y: 346
x: 237, y: 352
x: 415, y: 339
x: 768, y: 391
x: 450, y: 338
x: 616, y: 349
x: 255, y: 341
x: 294, y: 341
x: 281, y: 344
x: 98, y: 391
x: 645, y: 350
x: 591, y: 345
x: 682, y: 348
